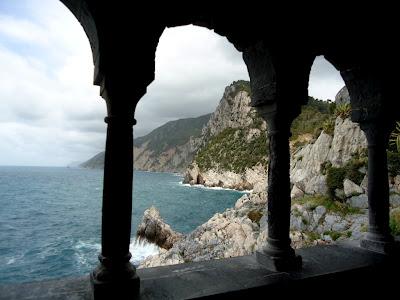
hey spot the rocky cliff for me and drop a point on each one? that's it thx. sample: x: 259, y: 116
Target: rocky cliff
x: 168, y: 148
x: 233, y: 142
x: 328, y: 174
x: 234, y: 149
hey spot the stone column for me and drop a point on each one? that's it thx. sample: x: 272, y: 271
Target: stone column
x: 115, y: 277
x: 279, y: 202
x: 378, y: 237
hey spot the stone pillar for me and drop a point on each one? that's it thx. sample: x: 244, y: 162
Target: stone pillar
x: 378, y: 237
x: 279, y: 80
x: 279, y: 202
x: 115, y: 277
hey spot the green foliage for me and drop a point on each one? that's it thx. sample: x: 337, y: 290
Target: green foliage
x: 364, y: 228
x: 343, y: 110
x: 172, y: 134
x: 313, y: 201
x: 240, y: 86
x: 351, y: 170
x: 335, y: 235
x: 328, y: 126
x: 230, y: 151
x: 255, y: 216
x: 334, y: 179
x: 395, y: 137
x: 312, y: 117
x: 393, y: 160
x: 395, y: 222
x: 313, y: 236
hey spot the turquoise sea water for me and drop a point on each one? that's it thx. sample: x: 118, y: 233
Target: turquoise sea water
x: 50, y: 217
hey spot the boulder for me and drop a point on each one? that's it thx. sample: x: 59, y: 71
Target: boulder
x: 360, y: 201
x: 155, y: 230
x: 192, y: 174
x: 296, y: 192
x: 351, y: 189
x: 394, y: 200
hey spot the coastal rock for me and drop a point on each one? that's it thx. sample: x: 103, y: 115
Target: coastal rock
x: 155, y: 230
x: 364, y: 183
x: 394, y: 200
x: 306, y: 163
x: 342, y: 97
x: 227, y: 179
x: 192, y: 174
x: 348, y: 139
x: 241, y: 230
x: 360, y: 201
x: 296, y: 192
x: 351, y: 189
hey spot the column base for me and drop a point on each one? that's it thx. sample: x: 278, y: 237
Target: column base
x: 380, y: 243
x: 279, y: 258
x: 112, y: 284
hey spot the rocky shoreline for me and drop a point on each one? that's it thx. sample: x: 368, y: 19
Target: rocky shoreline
x: 242, y: 229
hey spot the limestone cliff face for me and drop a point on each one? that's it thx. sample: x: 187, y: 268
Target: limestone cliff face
x: 173, y: 159
x: 233, y: 144
x: 307, y: 162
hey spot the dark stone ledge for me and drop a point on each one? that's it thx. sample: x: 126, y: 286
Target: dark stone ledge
x: 343, y: 269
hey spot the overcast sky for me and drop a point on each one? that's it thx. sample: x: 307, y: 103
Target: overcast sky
x: 52, y: 115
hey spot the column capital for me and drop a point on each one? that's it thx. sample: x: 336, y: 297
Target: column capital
x: 377, y: 131
x: 120, y: 119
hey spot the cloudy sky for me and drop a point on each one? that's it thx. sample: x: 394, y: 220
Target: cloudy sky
x: 52, y: 115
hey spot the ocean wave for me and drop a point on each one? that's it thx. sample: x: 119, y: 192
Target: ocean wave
x: 14, y: 259
x: 140, y: 250
x: 216, y: 188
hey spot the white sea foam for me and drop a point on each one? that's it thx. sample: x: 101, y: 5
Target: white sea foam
x: 216, y: 188
x: 13, y: 259
x: 84, y: 251
x: 141, y: 250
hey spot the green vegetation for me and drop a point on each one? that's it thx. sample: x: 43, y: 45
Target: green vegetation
x: 240, y: 86
x: 313, y: 115
x: 395, y: 222
x: 393, y: 153
x: 394, y: 141
x: 335, y: 235
x: 351, y: 170
x: 313, y: 236
x: 313, y: 201
x: 231, y: 151
x: 343, y: 110
x: 329, y: 126
x: 172, y: 134
x: 393, y: 160
x: 255, y: 216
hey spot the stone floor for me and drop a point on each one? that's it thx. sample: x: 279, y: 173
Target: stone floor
x: 341, y: 269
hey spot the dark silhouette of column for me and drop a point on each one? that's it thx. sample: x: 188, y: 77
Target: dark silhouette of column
x: 279, y: 202
x: 279, y: 81
x: 378, y: 237
x: 116, y: 276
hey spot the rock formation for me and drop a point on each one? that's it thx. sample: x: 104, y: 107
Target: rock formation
x: 233, y: 144
x: 242, y: 229
x: 155, y: 230
x: 307, y: 162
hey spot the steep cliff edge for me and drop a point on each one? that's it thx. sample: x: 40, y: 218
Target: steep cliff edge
x: 234, y: 149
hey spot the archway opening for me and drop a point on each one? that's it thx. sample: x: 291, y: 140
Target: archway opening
x: 198, y: 73
x: 52, y: 118
x: 328, y: 164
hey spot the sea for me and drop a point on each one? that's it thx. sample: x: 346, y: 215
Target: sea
x: 50, y: 217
